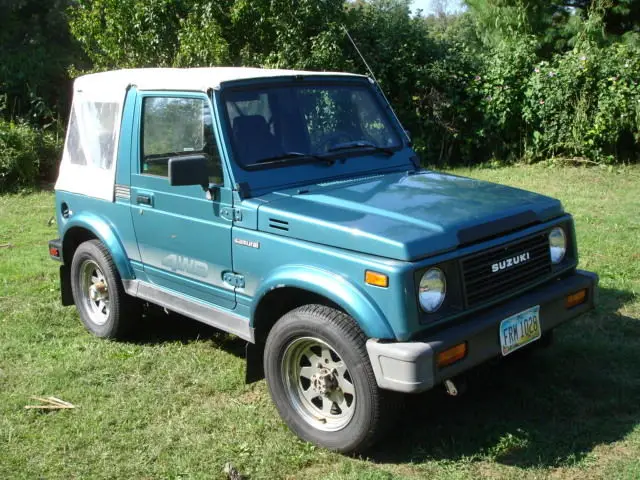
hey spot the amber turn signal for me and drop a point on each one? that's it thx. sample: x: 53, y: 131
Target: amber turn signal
x: 451, y: 355
x: 576, y: 298
x: 377, y: 279
x: 54, y: 252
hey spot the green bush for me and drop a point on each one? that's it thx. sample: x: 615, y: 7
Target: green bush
x: 447, y: 123
x: 19, y: 160
x: 50, y: 152
x: 27, y: 154
x: 501, y: 87
x: 510, y: 104
x: 586, y: 104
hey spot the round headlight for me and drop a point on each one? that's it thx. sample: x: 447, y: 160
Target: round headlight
x: 557, y: 244
x: 433, y: 289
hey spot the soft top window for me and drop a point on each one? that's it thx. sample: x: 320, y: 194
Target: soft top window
x: 92, y: 133
x: 89, y: 158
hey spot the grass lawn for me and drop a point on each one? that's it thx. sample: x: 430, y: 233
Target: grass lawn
x: 172, y: 403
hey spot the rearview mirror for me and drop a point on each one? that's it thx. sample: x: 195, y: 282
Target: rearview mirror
x: 191, y: 170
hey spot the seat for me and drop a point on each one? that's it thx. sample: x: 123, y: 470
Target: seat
x: 254, y: 140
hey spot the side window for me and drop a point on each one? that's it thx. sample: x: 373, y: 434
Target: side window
x: 173, y: 126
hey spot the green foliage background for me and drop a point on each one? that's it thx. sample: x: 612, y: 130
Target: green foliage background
x: 504, y: 80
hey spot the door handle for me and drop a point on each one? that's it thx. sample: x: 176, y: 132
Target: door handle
x: 144, y: 200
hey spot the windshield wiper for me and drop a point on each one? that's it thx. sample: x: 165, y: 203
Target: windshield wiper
x: 360, y: 144
x: 287, y: 157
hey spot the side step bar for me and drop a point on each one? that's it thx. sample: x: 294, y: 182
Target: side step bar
x: 189, y: 307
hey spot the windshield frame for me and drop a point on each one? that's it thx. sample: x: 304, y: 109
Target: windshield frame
x: 356, y: 81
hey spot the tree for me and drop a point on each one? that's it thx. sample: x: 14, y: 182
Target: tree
x: 130, y: 33
x: 554, y: 23
x: 35, y: 51
x: 280, y: 33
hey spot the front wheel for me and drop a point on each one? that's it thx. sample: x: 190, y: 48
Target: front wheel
x: 321, y: 381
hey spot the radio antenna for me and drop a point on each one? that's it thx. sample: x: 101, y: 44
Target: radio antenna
x: 374, y: 79
x: 360, y: 54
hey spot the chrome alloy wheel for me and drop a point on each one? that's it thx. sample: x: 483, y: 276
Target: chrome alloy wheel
x: 318, y: 384
x: 95, y: 292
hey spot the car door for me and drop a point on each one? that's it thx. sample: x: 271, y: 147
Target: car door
x: 183, y: 238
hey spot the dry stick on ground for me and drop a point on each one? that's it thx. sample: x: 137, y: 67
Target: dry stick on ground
x: 50, y: 403
x: 232, y: 472
x: 6, y: 245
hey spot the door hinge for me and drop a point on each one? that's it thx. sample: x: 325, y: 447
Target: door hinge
x: 231, y: 214
x: 234, y: 279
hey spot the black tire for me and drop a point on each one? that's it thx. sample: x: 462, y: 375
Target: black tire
x: 370, y: 412
x: 122, y: 312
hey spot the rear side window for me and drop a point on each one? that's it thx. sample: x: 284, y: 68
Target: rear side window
x: 173, y: 127
x: 92, y: 133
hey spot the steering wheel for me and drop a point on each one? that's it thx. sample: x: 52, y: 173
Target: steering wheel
x: 335, y: 138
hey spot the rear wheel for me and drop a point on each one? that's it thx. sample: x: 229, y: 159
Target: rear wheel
x: 104, y: 307
x: 321, y: 381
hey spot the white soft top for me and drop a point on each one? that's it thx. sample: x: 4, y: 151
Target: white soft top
x: 114, y: 83
x: 88, y: 164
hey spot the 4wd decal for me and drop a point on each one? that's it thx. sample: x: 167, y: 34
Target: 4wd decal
x: 180, y: 263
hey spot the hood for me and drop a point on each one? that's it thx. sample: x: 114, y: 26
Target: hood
x: 403, y: 216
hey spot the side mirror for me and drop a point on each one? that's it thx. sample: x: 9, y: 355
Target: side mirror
x: 191, y: 170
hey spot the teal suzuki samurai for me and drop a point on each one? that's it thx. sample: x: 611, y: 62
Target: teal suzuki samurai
x: 289, y: 209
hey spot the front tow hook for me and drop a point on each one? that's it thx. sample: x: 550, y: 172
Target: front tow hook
x: 455, y: 388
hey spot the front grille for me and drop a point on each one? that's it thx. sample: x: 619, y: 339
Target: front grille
x: 482, y: 283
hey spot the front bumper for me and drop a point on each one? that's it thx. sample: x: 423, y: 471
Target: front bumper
x: 411, y: 366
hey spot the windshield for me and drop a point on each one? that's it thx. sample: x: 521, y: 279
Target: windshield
x: 314, y: 121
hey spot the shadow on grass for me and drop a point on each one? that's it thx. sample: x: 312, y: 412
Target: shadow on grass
x: 160, y: 327
x: 546, y: 408
x: 549, y: 407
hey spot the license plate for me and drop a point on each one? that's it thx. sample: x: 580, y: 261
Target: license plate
x: 520, y: 329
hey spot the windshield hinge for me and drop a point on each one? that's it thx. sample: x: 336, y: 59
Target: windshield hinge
x: 231, y: 214
x: 234, y: 279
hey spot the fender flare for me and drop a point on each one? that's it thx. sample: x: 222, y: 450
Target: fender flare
x: 336, y: 288
x: 104, y: 231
